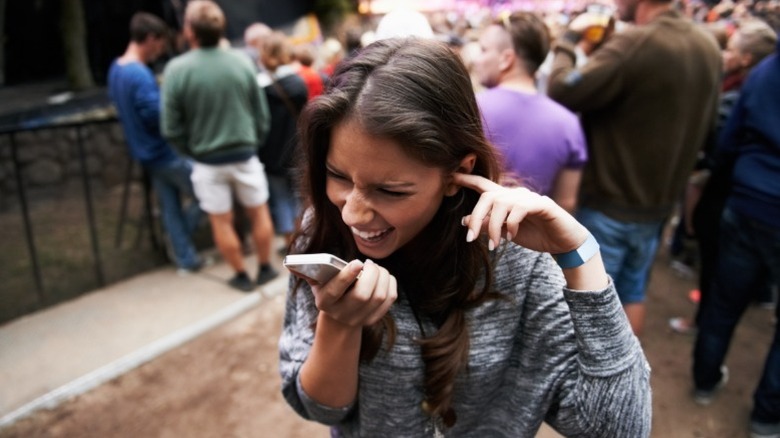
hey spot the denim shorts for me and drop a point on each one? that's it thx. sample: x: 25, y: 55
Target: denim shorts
x: 628, y: 250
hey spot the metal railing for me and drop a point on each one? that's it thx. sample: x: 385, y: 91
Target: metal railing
x: 76, y: 118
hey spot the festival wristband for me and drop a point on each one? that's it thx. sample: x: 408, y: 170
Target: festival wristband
x: 579, y: 256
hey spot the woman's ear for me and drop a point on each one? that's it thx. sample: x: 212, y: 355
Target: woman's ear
x: 466, y: 166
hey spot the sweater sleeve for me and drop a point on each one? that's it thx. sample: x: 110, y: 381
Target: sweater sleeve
x: 605, y: 392
x: 593, y: 85
x: 294, y: 346
x: 147, y: 102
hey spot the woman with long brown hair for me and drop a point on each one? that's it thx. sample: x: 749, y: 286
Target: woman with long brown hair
x: 452, y: 318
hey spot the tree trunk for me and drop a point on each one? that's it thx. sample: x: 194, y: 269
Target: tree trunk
x: 2, y: 42
x: 74, y: 41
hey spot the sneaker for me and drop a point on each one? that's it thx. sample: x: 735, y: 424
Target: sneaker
x: 769, y: 301
x: 242, y: 282
x: 682, y: 326
x: 265, y: 274
x: 202, y: 263
x: 186, y: 271
x: 764, y: 430
x: 703, y: 397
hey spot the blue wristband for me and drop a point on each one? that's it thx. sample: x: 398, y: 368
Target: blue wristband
x: 579, y: 256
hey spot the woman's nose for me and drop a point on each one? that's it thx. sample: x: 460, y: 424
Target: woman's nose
x: 357, y: 210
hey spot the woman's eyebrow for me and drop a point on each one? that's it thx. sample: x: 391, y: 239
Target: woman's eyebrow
x: 387, y: 184
x: 398, y: 184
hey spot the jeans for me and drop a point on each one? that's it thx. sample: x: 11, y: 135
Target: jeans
x: 283, y: 204
x: 748, y: 252
x: 173, y: 187
x: 627, y: 249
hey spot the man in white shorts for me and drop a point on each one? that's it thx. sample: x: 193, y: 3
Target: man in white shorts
x: 214, y: 111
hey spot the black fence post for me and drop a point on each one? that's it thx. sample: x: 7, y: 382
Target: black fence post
x: 27, y: 224
x: 90, y: 210
x: 123, y: 206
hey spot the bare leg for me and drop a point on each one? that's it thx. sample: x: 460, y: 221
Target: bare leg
x: 226, y: 239
x: 636, y: 316
x: 262, y: 231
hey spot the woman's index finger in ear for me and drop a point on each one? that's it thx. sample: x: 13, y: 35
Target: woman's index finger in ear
x: 477, y: 183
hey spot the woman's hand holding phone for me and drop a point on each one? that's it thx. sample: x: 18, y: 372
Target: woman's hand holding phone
x: 359, y: 295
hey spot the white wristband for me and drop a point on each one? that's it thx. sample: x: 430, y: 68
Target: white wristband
x: 579, y: 256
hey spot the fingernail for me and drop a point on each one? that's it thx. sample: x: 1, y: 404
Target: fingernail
x: 491, y: 246
x: 368, y: 262
x: 463, y: 221
x: 470, y: 236
x: 508, y: 236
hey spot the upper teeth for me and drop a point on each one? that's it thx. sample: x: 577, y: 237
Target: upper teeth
x: 367, y: 234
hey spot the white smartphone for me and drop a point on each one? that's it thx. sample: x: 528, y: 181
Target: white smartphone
x: 318, y: 268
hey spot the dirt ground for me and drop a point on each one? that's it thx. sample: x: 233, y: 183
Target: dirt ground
x: 226, y: 384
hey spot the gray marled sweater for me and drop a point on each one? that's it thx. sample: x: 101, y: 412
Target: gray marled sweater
x: 547, y: 354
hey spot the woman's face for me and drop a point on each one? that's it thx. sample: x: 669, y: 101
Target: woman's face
x: 385, y: 197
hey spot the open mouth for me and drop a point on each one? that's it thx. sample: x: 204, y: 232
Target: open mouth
x: 371, y: 236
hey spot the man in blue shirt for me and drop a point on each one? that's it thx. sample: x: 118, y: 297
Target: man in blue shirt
x: 133, y: 89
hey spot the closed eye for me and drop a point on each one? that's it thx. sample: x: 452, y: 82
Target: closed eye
x: 331, y: 174
x: 393, y: 193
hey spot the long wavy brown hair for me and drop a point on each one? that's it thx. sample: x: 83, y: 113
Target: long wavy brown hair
x: 417, y: 93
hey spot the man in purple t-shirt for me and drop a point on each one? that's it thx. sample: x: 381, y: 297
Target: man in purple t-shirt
x: 542, y: 142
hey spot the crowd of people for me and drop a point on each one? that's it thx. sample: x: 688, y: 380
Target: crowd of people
x: 499, y: 185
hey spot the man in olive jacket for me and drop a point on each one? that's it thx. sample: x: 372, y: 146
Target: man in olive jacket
x: 648, y: 99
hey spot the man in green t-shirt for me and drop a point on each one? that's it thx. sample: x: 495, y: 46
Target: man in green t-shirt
x: 214, y: 111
